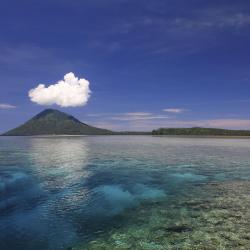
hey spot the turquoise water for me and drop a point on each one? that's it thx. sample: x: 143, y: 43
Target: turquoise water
x: 124, y: 192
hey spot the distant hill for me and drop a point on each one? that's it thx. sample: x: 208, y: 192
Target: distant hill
x: 54, y: 122
x: 200, y: 131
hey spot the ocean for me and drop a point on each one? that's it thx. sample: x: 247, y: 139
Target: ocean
x: 124, y: 192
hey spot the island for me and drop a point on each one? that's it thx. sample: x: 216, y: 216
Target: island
x: 55, y: 122
x: 198, y: 131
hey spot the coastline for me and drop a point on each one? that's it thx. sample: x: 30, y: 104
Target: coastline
x: 131, y: 135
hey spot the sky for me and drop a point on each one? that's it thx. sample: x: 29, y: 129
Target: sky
x: 125, y: 64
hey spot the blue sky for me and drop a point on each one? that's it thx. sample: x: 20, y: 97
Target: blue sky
x: 149, y: 63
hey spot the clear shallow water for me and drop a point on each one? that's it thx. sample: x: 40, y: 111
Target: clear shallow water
x: 60, y: 192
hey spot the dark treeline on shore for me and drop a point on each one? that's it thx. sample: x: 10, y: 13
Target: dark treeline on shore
x: 55, y: 122
x: 200, y: 131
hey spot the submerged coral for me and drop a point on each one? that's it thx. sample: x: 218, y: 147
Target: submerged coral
x: 210, y: 216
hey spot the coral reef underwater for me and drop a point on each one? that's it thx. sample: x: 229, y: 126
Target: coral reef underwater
x: 209, y: 216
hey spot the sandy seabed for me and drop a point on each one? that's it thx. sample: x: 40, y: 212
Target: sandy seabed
x: 208, y: 216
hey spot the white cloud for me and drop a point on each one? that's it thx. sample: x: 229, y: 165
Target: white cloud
x: 174, y: 110
x: 133, y: 116
x: 127, y: 117
x: 70, y: 92
x: 6, y: 106
x: 138, y: 114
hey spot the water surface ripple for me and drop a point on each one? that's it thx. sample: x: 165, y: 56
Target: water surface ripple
x: 123, y: 192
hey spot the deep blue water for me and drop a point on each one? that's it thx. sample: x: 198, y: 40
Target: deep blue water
x: 58, y: 191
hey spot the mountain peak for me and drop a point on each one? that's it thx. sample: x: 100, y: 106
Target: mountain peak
x: 54, y: 113
x: 55, y: 122
x: 50, y: 111
x: 47, y: 112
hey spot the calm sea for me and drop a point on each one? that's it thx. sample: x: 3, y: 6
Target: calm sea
x: 124, y: 192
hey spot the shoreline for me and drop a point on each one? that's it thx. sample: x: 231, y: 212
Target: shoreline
x: 163, y: 136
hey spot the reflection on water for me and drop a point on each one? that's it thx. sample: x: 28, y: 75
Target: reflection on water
x: 122, y: 192
x: 64, y: 160
x: 37, y: 196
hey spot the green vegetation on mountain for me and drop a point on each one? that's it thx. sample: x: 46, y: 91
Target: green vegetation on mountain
x: 54, y: 122
x: 200, y: 131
